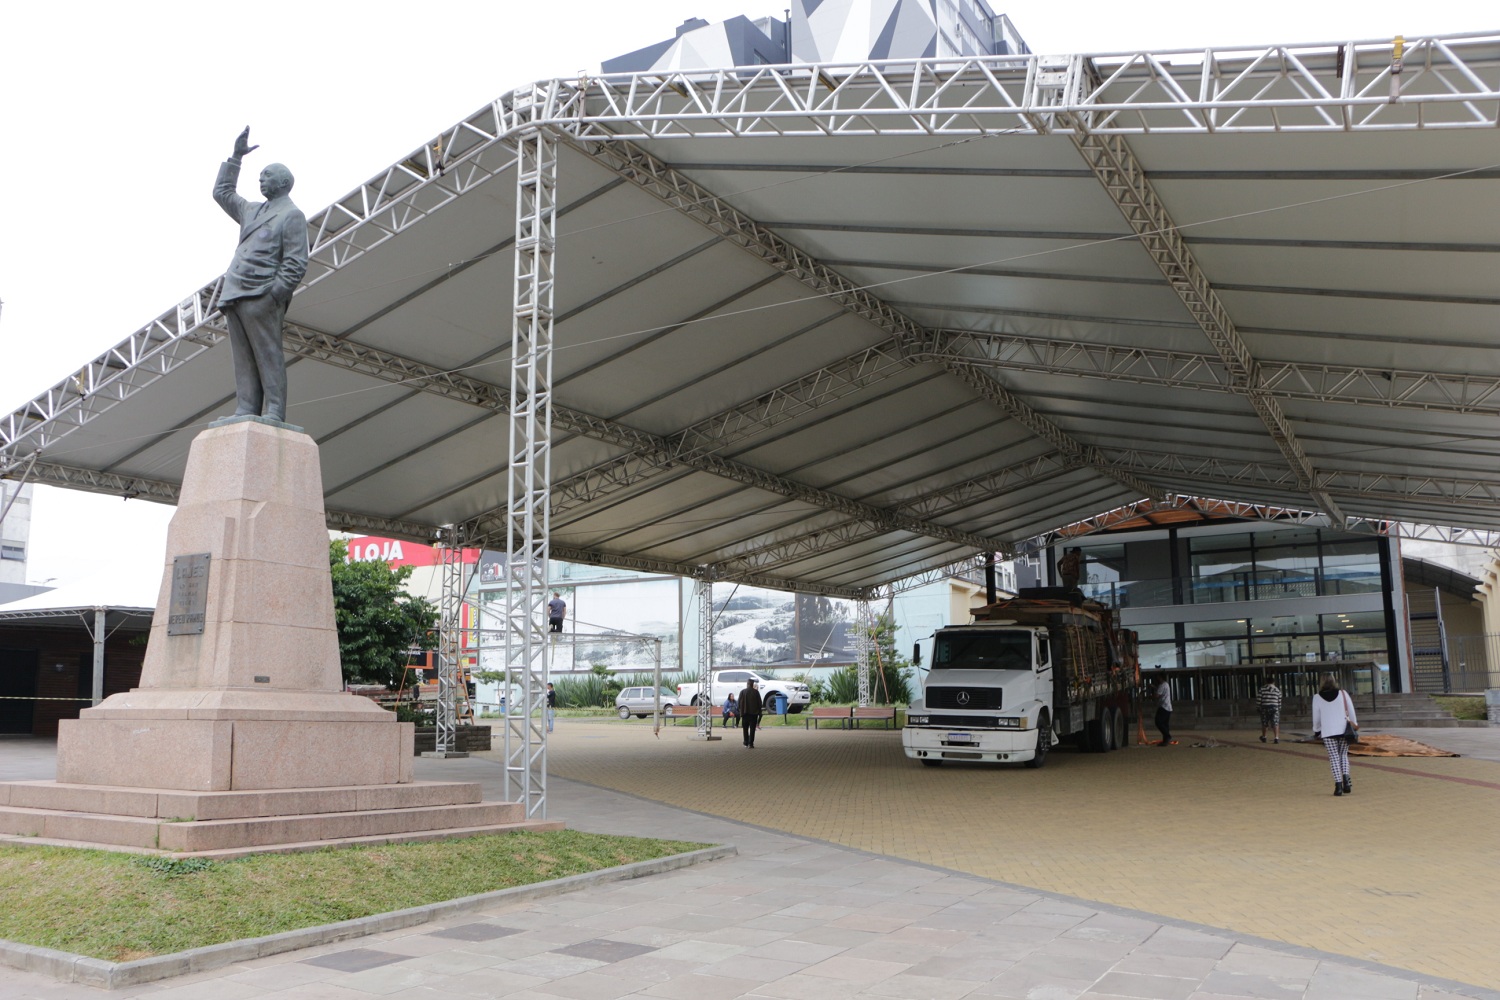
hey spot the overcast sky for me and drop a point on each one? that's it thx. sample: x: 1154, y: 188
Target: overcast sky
x: 114, y: 118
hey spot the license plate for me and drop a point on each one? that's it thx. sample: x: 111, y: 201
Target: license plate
x: 960, y: 737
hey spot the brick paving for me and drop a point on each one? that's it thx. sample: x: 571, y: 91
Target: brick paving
x: 849, y: 886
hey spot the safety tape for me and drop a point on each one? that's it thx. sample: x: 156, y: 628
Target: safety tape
x: 25, y: 697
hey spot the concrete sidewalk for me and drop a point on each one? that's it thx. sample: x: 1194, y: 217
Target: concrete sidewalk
x: 793, y: 916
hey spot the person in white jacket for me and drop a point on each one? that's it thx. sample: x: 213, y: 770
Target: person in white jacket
x: 1332, y: 715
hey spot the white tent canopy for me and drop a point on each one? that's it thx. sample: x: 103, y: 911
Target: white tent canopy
x: 824, y: 327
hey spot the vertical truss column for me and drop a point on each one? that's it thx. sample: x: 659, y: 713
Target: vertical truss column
x: 527, y: 494
x: 864, y: 642
x: 703, y: 593
x: 450, y: 642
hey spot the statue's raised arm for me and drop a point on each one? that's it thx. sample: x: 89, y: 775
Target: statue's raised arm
x: 242, y: 145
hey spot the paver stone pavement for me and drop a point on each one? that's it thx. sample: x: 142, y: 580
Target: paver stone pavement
x: 844, y: 887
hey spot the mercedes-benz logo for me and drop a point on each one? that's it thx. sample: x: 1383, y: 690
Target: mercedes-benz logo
x: 962, y: 699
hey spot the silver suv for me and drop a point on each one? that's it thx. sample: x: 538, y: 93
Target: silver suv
x: 640, y: 701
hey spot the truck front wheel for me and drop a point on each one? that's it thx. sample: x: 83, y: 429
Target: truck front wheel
x: 1043, y: 742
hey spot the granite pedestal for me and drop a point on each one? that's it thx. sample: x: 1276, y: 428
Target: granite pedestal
x: 239, y: 720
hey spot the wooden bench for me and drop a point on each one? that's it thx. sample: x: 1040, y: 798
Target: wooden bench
x: 826, y: 713
x: 886, y: 715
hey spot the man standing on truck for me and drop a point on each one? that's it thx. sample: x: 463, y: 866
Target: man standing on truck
x: 1164, y: 711
x: 749, y: 712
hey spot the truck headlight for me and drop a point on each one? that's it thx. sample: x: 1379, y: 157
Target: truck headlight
x: 918, y: 720
x: 1011, y: 723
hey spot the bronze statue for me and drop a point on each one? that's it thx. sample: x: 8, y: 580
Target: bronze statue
x: 268, y: 263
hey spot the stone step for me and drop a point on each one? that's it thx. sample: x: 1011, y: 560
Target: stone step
x: 535, y: 825
x: 150, y: 803
x: 93, y: 829
x: 221, y: 834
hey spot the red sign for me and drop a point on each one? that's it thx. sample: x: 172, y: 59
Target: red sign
x: 393, y: 551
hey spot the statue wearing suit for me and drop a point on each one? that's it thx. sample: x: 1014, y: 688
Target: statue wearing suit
x: 269, y: 261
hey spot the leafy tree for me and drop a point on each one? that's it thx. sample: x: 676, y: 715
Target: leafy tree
x: 379, y: 623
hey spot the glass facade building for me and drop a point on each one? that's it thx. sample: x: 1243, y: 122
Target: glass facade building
x: 1226, y: 594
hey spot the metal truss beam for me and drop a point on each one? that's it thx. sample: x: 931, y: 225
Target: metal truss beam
x: 1399, y: 488
x: 161, y: 491
x: 970, y: 570
x: 1214, y: 507
x: 703, y: 595
x: 593, y: 557
x: 680, y: 192
x: 1447, y: 392
x: 527, y: 517
x: 689, y: 449
x: 829, y: 538
x: 455, y: 583
x: 722, y: 430
x: 1124, y: 180
x: 1443, y: 82
x: 864, y: 639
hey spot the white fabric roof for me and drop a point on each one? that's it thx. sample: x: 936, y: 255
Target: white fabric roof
x: 1024, y: 353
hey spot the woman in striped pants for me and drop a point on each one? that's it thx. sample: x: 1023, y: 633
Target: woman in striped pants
x: 1332, y: 715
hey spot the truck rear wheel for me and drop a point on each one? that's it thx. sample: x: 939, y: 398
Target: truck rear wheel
x: 1043, y: 742
x: 1096, y: 735
x: 1122, y: 735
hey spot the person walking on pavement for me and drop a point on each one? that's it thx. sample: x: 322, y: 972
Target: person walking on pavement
x: 551, y: 706
x: 1332, y: 719
x: 557, y: 610
x: 1164, y: 711
x: 750, y: 706
x: 1270, y: 710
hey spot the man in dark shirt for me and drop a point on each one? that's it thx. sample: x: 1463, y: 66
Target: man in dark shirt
x: 551, y: 706
x: 749, y: 713
x: 557, y: 610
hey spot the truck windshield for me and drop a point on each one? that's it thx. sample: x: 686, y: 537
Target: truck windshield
x: 982, y: 651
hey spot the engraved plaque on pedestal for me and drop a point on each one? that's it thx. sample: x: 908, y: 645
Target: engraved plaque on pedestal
x: 189, y: 594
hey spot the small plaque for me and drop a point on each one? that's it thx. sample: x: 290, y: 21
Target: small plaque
x: 189, y: 594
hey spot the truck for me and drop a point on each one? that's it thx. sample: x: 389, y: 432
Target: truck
x: 1030, y: 671
x: 732, y: 681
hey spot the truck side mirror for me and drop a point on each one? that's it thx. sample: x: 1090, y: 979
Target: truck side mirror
x: 916, y: 654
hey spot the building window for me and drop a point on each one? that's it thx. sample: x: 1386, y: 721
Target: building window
x: 13, y: 552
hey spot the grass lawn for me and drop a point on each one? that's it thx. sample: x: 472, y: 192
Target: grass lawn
x: 120, y: 907
x: 1461, y: 706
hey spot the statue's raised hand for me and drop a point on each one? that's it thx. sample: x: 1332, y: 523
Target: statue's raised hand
x: 242, y: 144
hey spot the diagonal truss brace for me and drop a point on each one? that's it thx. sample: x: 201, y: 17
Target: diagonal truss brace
x: 1124, y: 180
x: 672, y: 187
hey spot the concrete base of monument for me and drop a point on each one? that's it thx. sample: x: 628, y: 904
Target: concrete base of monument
x: 238, y: 823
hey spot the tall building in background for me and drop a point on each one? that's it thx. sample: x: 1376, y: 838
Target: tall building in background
x: 832, y: 31
x: 15, y: 535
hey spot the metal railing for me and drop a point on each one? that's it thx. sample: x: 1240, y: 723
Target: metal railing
x: 1473, y: 663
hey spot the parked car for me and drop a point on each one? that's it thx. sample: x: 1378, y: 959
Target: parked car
x: 727, y: 682
x: 640, y: 701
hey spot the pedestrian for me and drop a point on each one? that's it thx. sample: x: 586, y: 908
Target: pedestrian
x: 749, y: 713
x: 1164, y: 712
x: 557, y: 610
x: 1270, y: 710
x: 1333, y: 721
x: 551, y: 711
x: 731, y: 712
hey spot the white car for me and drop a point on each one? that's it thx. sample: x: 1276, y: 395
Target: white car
x: 727, y: 682
x: 640, y: 701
